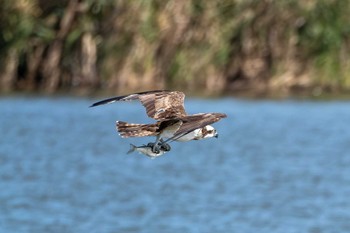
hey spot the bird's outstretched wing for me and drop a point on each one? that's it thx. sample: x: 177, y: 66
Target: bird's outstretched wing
x: 160, y: 104
x: 196, y: 121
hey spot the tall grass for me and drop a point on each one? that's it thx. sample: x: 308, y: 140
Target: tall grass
x: 258, y: 46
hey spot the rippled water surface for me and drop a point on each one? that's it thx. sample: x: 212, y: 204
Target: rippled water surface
x: 277, y: 166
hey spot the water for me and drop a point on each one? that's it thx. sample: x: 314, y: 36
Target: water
x: 277, y: 166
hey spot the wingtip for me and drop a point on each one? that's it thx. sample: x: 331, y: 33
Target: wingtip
x: 221, y: 115
x: 95, y: 104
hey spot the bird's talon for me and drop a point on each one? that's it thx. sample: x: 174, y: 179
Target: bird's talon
x: 165, y: 147
x: 155, y: 149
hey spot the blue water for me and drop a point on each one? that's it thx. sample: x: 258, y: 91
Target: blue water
x: 277, y: 166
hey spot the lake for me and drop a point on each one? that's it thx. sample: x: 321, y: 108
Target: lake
x: 277, y: 166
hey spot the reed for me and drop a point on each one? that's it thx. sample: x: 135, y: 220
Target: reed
x: 218, y: 46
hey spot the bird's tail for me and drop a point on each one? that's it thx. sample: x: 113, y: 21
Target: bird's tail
x: 127, y: 130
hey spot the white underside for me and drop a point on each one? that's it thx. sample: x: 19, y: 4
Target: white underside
x: 171, y: 130
x: 167, y: 134
x: 190, y: 136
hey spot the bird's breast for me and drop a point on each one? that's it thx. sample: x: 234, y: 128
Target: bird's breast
x: 194, y: 135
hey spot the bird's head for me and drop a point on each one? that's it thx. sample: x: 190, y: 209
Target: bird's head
x: 209, y: 132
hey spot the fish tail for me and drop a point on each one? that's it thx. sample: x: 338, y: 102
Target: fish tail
x: 132, y: 148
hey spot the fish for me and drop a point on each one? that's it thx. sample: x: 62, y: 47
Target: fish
x: 148, y: 150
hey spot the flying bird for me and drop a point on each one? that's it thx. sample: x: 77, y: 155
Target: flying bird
x: 172, y: 121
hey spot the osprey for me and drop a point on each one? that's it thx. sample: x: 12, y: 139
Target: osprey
x: 172, y: 121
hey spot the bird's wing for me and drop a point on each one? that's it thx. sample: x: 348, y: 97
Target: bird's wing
x: 196, y: 121
x: 159, y: 105
x: 129, y: 97
x: 164, y: 105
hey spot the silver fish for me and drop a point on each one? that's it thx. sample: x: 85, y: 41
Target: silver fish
x: 147, y: 150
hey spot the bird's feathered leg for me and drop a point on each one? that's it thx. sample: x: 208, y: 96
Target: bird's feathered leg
x: 156, y: 146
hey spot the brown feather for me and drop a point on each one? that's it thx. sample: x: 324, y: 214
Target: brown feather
x: 197, y: 121
x: 159, y: 105
x: 136, y: 130
x: 164, y: 105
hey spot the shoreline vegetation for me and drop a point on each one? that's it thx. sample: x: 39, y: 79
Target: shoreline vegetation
x: 231, y: 47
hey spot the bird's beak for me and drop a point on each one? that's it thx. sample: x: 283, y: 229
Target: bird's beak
x: 216, y: 135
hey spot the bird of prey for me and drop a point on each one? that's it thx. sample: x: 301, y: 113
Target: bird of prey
x: 172, y: 122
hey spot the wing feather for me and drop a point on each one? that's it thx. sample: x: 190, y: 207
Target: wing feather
x: 197, y: 121
x: 160, y: 104
x: 129, y: 97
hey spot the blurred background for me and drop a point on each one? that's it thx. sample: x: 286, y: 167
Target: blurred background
x: 280, y: 164
x: 227, y: 46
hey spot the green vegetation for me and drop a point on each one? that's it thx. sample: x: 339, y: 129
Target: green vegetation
x: 255, y: 46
